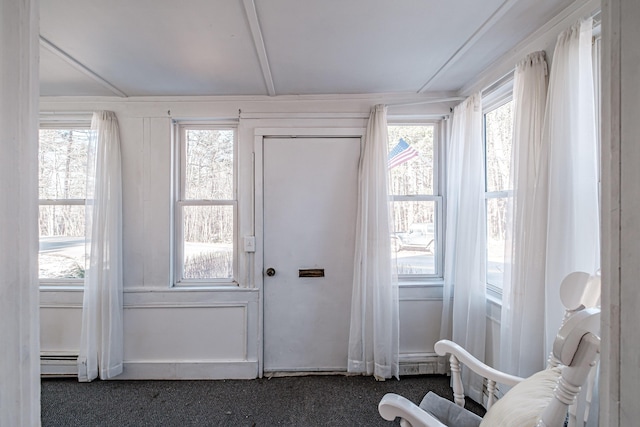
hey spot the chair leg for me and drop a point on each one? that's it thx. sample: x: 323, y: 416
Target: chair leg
x: 456, y: 380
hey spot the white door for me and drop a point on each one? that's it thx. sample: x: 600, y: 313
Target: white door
x: 310, y: 191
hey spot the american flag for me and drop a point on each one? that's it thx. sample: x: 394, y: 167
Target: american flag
x: 400, y: 154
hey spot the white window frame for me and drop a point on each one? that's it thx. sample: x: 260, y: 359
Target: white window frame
x: 62, y: 121
x: 494, y: 98
x: 436, y: 197
x: 180, y: 146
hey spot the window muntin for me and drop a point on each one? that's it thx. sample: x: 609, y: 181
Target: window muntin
x: 206, y: 206
x: 62, y: 166
x: 498, y: 128
x: 415, y: 204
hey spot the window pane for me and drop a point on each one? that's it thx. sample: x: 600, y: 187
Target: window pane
x: 62, y: 252
x: 209, y: 164
x: 63, y: 163
x: 413, y: 242
x: 415, y: 175
x: 496, y: 234
x: 498, y: 128
x: 208, y: 242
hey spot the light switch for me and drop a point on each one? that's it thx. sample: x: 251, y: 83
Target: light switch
x: 249, y: 243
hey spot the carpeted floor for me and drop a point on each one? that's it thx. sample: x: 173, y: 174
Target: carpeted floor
x: 287, y: 401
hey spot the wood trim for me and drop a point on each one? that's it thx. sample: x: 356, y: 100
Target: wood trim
x: 610, y: 214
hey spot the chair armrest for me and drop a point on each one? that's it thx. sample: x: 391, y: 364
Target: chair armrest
x: 444, y: 347
x: 393, y: 405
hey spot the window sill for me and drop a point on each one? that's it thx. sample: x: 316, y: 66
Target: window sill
x: 199, y: 284
x: 192, y: 288
x: 494, y: 298
x: 422, y: 282
x: 67, y: 287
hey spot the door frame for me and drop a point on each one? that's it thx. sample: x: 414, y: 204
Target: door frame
x: 259, y: 136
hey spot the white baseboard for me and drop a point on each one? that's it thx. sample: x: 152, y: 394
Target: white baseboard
x: 63, y: 365
x: 188, y: 370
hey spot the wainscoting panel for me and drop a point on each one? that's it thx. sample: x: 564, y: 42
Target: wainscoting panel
x: 195, y: 333
x: 420, y: 312
x: 60, y: 329
x: 168, y: 334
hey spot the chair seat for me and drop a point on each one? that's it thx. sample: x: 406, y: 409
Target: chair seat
x: 448, y: 413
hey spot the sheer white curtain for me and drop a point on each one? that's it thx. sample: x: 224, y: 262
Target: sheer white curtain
x: 101, y: 344
x: 374, y: 330
x: 464, y: 293
x: 522, y: 331
x: 570, y: 132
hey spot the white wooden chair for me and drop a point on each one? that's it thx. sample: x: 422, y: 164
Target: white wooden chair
x: 541, y: 399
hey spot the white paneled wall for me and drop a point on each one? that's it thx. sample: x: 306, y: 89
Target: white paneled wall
x: 207, y: 332
x: 191, y: 335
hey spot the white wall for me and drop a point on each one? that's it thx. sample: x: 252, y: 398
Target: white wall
x: 206, y: 332
x: 19, y: 325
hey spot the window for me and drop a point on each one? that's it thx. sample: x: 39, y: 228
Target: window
x: 62, y: 158
x: 206, y: 206
x: 415, y: 201
x: 498, y: 124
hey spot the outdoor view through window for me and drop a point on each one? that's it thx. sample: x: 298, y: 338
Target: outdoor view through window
x: 498, y: 130
x: 206, y: 206
x: 62, y: 161
x: 413, y: 199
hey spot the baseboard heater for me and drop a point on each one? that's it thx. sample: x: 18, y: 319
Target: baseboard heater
x: 422, y: 364
x: 58, y: 364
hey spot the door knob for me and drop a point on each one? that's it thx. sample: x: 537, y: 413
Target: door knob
x: 271, y: 272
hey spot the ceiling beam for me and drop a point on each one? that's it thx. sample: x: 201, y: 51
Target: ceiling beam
x: 258, y: 42
x: 492, y: 20
x: 79, y: 66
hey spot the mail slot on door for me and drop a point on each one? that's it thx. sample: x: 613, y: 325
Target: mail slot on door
x: 311, y: 272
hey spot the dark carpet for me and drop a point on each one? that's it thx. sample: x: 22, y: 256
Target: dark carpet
x: 287, y: 401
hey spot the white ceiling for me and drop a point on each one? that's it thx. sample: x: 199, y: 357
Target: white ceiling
x: 277, y: 47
